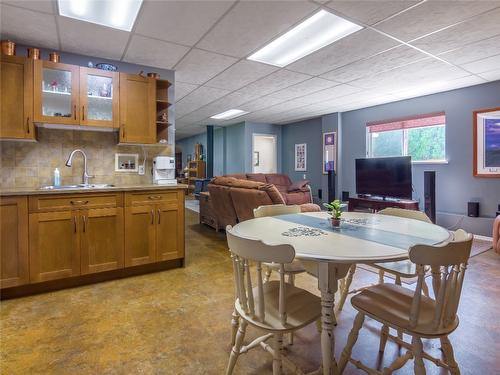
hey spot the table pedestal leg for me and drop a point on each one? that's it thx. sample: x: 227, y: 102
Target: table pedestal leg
x: 328, y: 276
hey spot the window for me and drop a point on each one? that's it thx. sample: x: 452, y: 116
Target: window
x: 421, y: 137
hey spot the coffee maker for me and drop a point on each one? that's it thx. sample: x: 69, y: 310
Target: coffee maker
x: 164, y: 170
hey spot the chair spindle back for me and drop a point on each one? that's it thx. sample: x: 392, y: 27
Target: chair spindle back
x: 244, y: 251
x: 451, y: 261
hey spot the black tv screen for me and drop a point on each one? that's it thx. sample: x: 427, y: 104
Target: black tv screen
x: 385, y: 177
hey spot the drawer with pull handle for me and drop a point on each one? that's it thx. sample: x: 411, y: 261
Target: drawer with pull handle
x: 44, y: 203
x: 147, y: 197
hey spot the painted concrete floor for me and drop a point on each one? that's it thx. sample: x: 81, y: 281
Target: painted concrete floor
x: 178, y: 322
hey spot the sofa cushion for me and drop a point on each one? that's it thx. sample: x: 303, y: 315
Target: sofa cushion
x: 260, y: 177
x: 297, y: 197
x: 236, y: 182
x: 278, y: 179
x: 241, y: 176
x: 273, y: 193
x: 298, y: 185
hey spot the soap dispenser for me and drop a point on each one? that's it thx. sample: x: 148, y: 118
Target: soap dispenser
x: 57, y: 177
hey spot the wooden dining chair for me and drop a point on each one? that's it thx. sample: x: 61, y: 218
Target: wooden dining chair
x: 295, y: 267
x: 275, y: 307
x: 416, y: 315
x: 403, y: 269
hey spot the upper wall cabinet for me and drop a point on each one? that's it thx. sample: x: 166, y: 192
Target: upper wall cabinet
x: 16, y: 98
x: 56, y: 93
x: 99, y: 98
x: 137, y: 109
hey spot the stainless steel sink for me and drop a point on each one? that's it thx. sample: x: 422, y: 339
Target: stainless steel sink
x: 75, y: 187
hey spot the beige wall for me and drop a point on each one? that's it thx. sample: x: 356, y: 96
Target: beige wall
x: 31, y: 164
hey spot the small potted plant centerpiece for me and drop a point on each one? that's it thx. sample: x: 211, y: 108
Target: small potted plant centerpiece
x: 334, y: 209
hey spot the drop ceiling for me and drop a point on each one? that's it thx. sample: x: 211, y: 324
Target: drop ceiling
x: 405, y: 49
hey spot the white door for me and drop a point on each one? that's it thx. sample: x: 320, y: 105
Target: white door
x: 265, y: 153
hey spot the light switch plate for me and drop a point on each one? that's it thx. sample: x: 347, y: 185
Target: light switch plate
x: 141, y: 169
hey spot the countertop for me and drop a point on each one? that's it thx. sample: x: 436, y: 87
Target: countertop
x: 38, y: 191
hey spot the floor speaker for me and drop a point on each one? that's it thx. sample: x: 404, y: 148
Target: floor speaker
x: 430, y: 194
x: 473, y: 209
x: 331, y: 186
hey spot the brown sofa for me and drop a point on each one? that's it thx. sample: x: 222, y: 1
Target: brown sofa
x: 234, y: 197
x: 496, y: 234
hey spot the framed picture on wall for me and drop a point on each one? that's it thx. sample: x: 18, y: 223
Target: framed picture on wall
x: 301, y: 157
x: 329, y: 152
x: 486, y: 138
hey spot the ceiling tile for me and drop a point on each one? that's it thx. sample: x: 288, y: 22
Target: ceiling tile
x: 328, y: 94
x: 431, y: 16
x: 357, y: 46
x: 304, y: 88
x: 483, y: 65
x: 182, y: 22
x: 493, y: 75
x: 251, y: 24
x: 274, y: 82
x: 369, y: 12
x: 472, y: 52
x: 89, y: 39
x: 240, y: 74
x: 151, y: 52
x: 28, y: 27
x: 384, y: 61
x: 196, y: 99
x: 199, y: 66
x: 182, y: 89
x: 46, y: 6
x: 479, y: 28
x: 261, y: 103
x: 438, y: 86
x: 418, y: 74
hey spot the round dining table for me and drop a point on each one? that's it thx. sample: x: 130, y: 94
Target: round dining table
x: 328, y: 252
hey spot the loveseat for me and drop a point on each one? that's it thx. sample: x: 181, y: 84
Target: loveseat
x: 234, y: 197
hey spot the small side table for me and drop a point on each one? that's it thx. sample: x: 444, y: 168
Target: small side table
x: 207, y: 214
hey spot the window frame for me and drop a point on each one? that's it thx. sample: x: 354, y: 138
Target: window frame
x: 404, y: 137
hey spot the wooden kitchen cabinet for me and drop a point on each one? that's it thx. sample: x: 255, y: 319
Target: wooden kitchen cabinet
x: 56, y: 93
x: 137, y: 109
x: 99, y: 98
x: 154, y: 227
x: 14, y: 268
x: 140, y: 235
x: 54, y: 239
x: 101, y: 239
x: 16, y: 98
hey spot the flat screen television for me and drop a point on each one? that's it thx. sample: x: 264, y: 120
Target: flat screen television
x: 384, y: 177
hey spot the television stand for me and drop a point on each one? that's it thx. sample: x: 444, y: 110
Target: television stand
x: 375, y: 204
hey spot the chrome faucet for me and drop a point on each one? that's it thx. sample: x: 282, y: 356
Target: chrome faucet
x: 85, y: 176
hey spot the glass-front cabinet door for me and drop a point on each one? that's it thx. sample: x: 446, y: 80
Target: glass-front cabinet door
x: 56, y: 93
x: 99, y: 101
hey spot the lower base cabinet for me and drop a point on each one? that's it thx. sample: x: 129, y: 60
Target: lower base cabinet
x: 51, y: 237
x: 14, y: 267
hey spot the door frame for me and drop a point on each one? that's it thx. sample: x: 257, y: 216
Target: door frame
x: 275, y: 136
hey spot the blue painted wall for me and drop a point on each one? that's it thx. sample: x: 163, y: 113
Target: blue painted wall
x: 234, y: 161
x: 309, y: 132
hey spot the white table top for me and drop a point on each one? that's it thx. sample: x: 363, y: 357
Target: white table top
x: 362, y: 238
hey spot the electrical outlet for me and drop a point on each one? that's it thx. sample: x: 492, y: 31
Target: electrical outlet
x: 304, y: 176
x: 141, y: 169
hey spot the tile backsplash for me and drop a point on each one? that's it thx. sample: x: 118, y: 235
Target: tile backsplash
x: 31, y: 164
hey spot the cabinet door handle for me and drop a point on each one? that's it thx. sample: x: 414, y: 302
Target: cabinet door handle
x: 84, y: 224
x: 74, y: 223
x: 123, y: 131
x: 152, y: 217
x: 83, y: 113
x: 155, y: 197
x: 159, y: 216
x: 74, y: 110
x: 28, y: 125
x: 78, y: 202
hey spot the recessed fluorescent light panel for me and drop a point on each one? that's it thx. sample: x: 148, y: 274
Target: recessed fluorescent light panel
x: 229, y: 115
x: 318, y: 31
x: 118, y: 14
